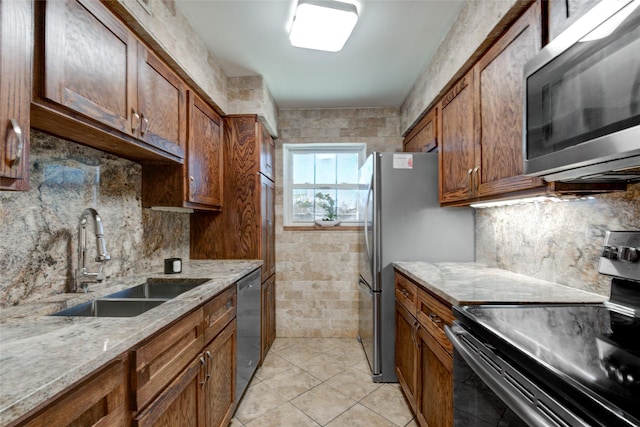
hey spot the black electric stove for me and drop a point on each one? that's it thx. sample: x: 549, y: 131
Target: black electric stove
x: 580, y: 360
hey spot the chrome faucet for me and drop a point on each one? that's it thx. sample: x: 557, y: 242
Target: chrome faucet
x: 83, y: 277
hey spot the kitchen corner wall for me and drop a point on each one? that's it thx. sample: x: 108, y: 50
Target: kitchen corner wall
x: 556, y: 241
x: 39, y: 227
x: 317, y: 271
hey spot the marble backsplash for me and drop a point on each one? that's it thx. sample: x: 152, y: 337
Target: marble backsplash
x: 38, y: 249
x: 556, y: 241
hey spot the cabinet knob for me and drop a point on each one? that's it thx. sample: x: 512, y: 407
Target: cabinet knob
x: 17, y: 131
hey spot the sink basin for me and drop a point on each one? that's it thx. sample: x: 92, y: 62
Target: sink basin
x: 111, y: 308
x: 159, y: 288
x: 133, y: 301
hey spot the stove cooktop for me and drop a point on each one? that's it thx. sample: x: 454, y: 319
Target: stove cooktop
x: 588, y: 354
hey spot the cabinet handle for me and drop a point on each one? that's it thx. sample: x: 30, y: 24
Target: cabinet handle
x: 470, y: 178
x: 209, y: 357
x: 203, y: 362
x: 414, y: 332
x: 144, y: 126
x: 192, y: 184
x: 434, y: 318
x: 229, y: 304
x: 135, y: 122
x: 15, y: 128
x: 476, y: 178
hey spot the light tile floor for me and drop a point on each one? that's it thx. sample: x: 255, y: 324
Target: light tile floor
x: 320, y: 382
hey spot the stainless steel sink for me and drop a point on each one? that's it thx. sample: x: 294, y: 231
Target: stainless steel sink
x: 135, y: 300
x: 159, y: 288
x: 111, y: 308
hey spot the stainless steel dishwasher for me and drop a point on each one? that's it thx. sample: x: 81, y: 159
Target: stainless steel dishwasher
x: 248, y: 320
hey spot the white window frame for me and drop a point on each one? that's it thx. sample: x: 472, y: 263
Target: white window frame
x: 331, y: 147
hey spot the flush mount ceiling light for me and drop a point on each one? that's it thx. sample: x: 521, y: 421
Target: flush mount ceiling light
x: 322, y: 25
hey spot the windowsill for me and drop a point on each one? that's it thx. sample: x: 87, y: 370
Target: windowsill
x: 321, y: 228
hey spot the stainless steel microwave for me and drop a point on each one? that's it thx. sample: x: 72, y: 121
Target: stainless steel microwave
x: 582, y: 99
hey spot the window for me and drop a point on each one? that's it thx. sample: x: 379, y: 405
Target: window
x: 321, y: 182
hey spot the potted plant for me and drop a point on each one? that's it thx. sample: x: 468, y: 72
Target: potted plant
x: 326, y: 202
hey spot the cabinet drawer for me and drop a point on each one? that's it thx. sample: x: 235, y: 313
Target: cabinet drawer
x: 219, y: 312
x: 160, y: 359
x: 406, y: 293
x: 433, y: 315
x: 99, y: 401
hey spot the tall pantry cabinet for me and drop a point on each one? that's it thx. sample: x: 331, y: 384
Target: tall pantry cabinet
x: 245, y: 228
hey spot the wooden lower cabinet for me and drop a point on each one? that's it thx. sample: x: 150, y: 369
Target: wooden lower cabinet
x: 407, y: 353
x: 424, y: 361
x: 220, y: 379
x: 180, y: 404
x: 203, y: 392
x: 435, y: 382
x: 268, y: 317
x: 101, y: 400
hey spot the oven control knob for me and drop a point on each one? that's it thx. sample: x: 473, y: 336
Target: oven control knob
x: 629, y: 254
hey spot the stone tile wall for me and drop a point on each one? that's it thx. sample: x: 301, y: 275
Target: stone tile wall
x: 38, y: 249
x: 317, y: 271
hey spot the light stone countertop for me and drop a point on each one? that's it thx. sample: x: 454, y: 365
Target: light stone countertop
x: 474, y: 283
x: 42, y: 355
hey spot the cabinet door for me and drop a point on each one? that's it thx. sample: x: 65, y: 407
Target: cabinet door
x: 422, y: 137
x: 161, y: 103
x: 16, y: 51
x: 458, y: 147
x: 268, y: 227
x: 267, y: 152
x: 435, y: 383
x: 499, y: 113
x: 407, y: 353
x: 164, y: 356
x: 100, y: 400
x: 271, y: 311
x: 268, y: 317
x: 180, y: 403
x: 90, y: 62
x: 204, y: 157
x: 219, y: 389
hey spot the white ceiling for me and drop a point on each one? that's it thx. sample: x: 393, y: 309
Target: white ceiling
x: 390, y: 46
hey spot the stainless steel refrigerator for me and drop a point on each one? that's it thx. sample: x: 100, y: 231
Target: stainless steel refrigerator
x: 403, y: 221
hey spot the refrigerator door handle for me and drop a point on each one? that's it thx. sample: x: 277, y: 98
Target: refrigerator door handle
x: 370, y: 255
x: 365, y: 287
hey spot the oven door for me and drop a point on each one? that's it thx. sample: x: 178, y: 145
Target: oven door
x: 489, y: 391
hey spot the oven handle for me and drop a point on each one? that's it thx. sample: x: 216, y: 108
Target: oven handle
x: 494, y: 381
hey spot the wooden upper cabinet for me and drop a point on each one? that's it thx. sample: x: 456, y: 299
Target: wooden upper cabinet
x: 16, y: 52
x: 457, y: 144
x: 97, y: 84
x: 498, y: 79
x: 205, y: 154
x: 480, y: 120
x: 89, y: 62
x: 422, y: 138
x: 162, y: 106
x: 563, y: 13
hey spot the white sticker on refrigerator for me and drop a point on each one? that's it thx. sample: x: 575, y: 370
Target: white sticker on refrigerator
x: 402, y: 161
